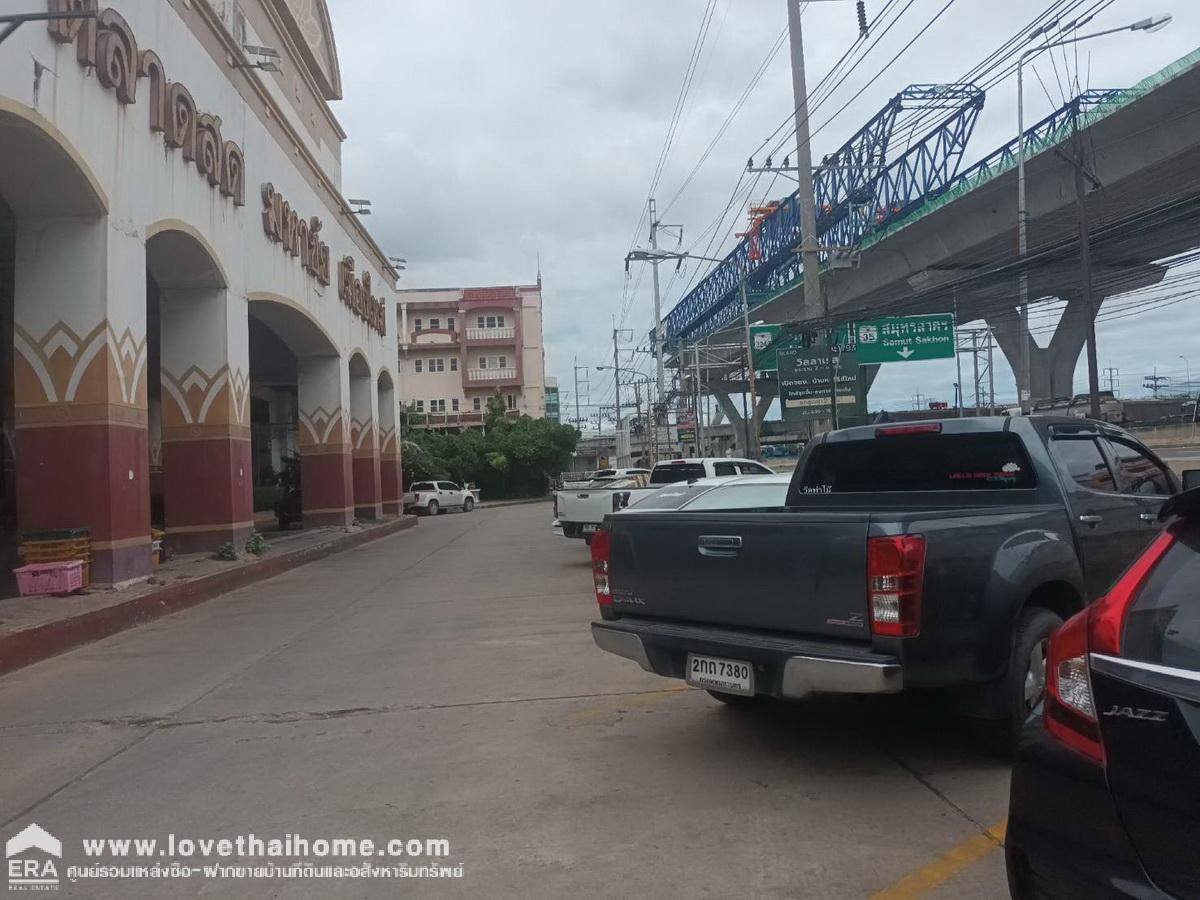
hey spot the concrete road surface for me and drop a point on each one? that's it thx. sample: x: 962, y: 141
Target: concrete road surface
x: 442, y: 684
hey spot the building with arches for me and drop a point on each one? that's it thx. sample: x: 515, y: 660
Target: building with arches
x: 187, y: 302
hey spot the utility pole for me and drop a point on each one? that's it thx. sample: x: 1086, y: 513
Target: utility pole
x: 750, y: 421
x: 815, y: 300
x: 637, y: 401
x: 578, y: 418
x: 617, y: 389
x: 658, y: 330
x: 1155, y: 381
x: 1085, y: 272
x: 699, y: 394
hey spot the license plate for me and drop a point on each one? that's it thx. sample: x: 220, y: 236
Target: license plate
x: 712, y: 672
x: 590, y: 529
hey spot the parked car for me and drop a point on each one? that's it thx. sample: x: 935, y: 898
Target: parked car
x: 579, y: 511
x: 923, y: 555
x: 570, y: 482
x: 1105, y: 797
x: 433, y: 497
x: 738, y: 492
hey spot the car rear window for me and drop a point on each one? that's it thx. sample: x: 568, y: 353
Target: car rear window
x: 919, y: 462
x: 1163, y: 625
x: 669, y: 473
x: 762, y: 495
x: 670, y: 497
x: 423, y: 486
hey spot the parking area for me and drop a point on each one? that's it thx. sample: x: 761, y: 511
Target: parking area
x: 443, y: 683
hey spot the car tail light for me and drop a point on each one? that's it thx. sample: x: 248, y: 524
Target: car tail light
x: 1069, y: 713
x: 601, y: 542
x: 895, y: 430
x: 895, y: 572
x: 556, y: 506
x: 620, y: 500
x: 1106, y: 617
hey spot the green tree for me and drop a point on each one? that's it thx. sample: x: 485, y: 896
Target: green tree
x: 508, y: 457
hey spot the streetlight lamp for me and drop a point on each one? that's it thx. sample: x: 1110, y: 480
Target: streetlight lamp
x: 1154, y: 23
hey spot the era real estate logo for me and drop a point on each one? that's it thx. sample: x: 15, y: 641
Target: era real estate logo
x: 30, y: 855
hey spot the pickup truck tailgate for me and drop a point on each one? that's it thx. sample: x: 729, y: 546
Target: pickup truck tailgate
x: 749, y: 571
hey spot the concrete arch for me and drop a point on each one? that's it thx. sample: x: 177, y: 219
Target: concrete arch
x: 292, y: 323
x: 386, y: 373
x: 359, y: 366
x: 193, y: 257
x: 43, y: 173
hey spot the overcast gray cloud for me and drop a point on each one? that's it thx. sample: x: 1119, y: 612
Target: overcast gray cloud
x: 486, y: 133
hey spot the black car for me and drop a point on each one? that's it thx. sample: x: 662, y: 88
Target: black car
x: 1105, y: 795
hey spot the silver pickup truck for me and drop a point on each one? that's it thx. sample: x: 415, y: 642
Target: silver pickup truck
x: 578, y: 511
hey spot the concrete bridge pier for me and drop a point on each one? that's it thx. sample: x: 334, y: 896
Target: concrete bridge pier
x: 730, y: 409
x: 1052, y: 368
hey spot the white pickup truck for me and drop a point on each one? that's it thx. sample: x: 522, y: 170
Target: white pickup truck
x: 433, y: 497
x: 578, y: 511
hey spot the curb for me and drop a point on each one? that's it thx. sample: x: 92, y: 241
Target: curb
x: 522, y: 502
x: 24, y: 648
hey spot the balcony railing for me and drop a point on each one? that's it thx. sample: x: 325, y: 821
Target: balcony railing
x: 491, y: 374
x: 490, y: 334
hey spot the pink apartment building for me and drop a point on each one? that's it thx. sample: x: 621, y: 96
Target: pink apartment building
x: 458, y: 346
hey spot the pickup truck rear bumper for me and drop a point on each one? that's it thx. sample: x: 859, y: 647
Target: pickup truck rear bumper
x: 784, y: 667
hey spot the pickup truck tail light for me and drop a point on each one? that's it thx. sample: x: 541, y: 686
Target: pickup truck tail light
x: 1069, y: 712
x: 896, y: 574
x: 556, y: 506
x: 600, y: 554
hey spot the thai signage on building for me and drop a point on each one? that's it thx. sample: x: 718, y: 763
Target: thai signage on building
x: 299, y: 237
x: 356, y: 294
x: 106, y: 44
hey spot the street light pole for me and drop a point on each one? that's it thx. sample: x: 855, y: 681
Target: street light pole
x: 1024, y: 386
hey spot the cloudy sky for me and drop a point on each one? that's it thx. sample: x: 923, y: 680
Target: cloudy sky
x: 486, y: 133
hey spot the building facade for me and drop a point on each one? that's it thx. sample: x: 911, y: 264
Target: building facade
x: 553, y: 410
x: 182, y: 280
x: 460, y: 346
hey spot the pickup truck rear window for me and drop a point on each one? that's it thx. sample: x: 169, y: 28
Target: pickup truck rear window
x: 670, y: 473
x: 920, y: 462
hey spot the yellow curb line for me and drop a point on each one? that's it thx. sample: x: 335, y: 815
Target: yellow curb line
x: 946, y: 866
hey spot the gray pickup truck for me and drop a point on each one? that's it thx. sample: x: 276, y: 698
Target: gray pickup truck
x: 924, y: 555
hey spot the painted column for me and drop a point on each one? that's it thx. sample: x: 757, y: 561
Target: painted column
x: 368, y: 501
x: 79, y: 378
x: 390, y: 480
x: 326, y: 477
x: 206, y: 455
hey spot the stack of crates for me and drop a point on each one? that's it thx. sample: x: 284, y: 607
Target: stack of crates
x: 59, y: 545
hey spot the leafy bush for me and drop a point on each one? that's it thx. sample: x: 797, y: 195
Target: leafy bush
x: 256, y: 544
x: 227, y: 552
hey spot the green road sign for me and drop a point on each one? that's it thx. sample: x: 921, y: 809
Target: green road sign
x: 765, y: 342
x: 804, y: 385
x: 905, y: 339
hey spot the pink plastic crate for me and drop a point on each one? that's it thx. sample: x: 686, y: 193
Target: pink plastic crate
x: 50, y: 578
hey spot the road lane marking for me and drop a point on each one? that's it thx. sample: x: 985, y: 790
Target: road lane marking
x: 947, y: 866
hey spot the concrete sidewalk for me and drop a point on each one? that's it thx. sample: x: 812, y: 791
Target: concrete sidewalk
x: 36, y: 628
